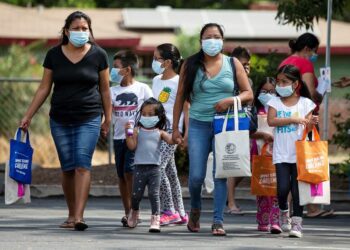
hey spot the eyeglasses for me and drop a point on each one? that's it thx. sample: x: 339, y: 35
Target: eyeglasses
x: 157, y: 59
x: 272, y: 91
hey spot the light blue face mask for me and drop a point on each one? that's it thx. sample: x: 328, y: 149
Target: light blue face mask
x: 115, y: 76
x: 285, y: 91
x: 212, y: 47
x: 149, y: 121
x: 264, y: 98
x: 157, y: 67
x: 313, y: 58
x: 78, y: 38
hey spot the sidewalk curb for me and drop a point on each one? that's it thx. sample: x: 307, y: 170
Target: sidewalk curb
x: 43, y: 191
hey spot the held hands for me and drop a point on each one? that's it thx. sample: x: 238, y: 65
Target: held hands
x: 177, y: 137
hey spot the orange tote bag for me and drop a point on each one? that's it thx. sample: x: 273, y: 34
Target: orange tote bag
x: 263, y: 180
x: 312, y: 159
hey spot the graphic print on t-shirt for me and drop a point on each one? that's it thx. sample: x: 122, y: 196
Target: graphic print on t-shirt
x: 126, y: 104
x: 164, y: 95
x: 287, y: 128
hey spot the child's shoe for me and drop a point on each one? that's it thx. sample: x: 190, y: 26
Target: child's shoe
x: 275, y: 229
x: 155, y: 224
x: 263, y: 228
x: 133, y: 218
x: 169, y: 218
x: 297, y: 228
x: 285, y: 221
x: 184, y: 220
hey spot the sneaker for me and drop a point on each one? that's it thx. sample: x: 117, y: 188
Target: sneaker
x: 263, y: 228
x: 169, y: 218
x: 155, y: 224
x: 184, y: 220
x: 285, y: 221
x: 133, y: 218
x: 275, y: 229
x: 297, y: 228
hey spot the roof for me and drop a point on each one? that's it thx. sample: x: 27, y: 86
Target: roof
x: 144, y: 29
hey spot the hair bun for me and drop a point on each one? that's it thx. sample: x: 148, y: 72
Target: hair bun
x: 292, y: 44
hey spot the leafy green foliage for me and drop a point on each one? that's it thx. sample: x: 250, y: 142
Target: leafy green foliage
x: 187, y: 44
x: 301, y: 13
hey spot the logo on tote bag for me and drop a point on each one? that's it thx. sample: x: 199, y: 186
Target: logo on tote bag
x: 230, y: 148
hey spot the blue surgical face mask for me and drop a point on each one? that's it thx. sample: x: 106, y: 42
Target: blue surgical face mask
x: 115, y: 76
x: 78, y: 38
x: 313, y: 58
x: 285, y: 91
x: 149, y: 121
x: 157, y: 67
x: 212, y: 47
x: 264, y: 98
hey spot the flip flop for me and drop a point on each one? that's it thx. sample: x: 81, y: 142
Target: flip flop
x: 234, y: 211
x: 318, y: 215
x: 67, y: 224
x: 329, y: 213
x: 218, y: 230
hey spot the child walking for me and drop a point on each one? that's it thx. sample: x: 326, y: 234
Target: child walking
x: 127, y: 98
x: 267, y: 215
x: 289, y: 114
x: 151, y: 123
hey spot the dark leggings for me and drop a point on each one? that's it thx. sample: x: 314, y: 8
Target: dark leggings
x: 146, y: 175
x: 286, y: 182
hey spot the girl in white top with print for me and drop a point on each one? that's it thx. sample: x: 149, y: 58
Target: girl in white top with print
x: 289, y: 114
x: 166, y: 62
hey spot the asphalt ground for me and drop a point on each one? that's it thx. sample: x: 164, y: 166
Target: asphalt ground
x: 35, y: 226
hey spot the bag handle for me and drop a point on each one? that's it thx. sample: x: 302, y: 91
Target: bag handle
x: 224, y: 126
x: 235, y: 111
x: 18, y: 136
x: 315, y: 133
x: 264, y: 149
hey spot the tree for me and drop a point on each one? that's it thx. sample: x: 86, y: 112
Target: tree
x: 302, y: 13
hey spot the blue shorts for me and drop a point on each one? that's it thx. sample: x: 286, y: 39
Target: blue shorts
x: 124, y: 158
x: 75, y: 143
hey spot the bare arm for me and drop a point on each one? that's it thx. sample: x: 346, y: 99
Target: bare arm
x: 39, y: 98
x: 308, y: 78
x: 178, y: 107
x: 186, y: 110
x: 275, y: 121
x: 106, y: 101
x: 166, y: 137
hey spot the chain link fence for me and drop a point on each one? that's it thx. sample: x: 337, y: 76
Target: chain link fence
x: 15, y: 97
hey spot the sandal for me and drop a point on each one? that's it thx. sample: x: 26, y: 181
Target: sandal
x: 80, y: 225
x: 67, y: 224
x: 217, y: 229
x: 193, y: 222
x: 234, y: 211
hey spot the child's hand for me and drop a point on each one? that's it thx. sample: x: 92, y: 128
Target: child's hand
x: 315, y: 119
x: 267, y: 137
x: 301, y: 121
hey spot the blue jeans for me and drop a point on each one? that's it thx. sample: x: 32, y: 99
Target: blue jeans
x: 200, y: 144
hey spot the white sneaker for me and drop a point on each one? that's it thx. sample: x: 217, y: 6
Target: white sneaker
x: 285, y: 221
x: 297, y: 228
x: 155, y: 224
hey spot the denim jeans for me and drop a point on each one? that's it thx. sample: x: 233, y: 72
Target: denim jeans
x: 200, y: 144
x: 286, y: 174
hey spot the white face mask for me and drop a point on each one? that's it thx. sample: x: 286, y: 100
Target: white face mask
x: 264, y: 98
x: 285, y: 91
x: 157, y: 67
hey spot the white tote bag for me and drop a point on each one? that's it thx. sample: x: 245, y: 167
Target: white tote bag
x: 14, y: 191
x: 314, y: 193
x: 232, y: 149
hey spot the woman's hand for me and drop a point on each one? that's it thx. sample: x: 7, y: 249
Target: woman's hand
x: 267, y: 137
x: 25, y: 122
x: 177, y: 137
x: 105, y: 128
x: 223, y: 105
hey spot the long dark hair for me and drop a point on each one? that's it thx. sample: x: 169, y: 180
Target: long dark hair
x: 68, y: 22
x: 159, y: 110
x: 258, y: 105
x: 195, y: 62
x: 305, y: 40
x: 293, y: 74
x: 169, y: 51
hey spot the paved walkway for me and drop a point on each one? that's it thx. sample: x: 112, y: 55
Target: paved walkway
x: 34, y: 226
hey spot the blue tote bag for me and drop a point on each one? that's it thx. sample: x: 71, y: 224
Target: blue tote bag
x: 21, y: 154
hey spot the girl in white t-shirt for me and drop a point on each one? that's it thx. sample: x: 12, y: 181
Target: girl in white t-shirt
x: 289, y: 114
x: 166, y: 61
x: 127, y: 98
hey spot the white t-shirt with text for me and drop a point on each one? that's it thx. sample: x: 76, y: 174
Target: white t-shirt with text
x: 165, y: 91
x: 286, y: 136
x: 126, y: 101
